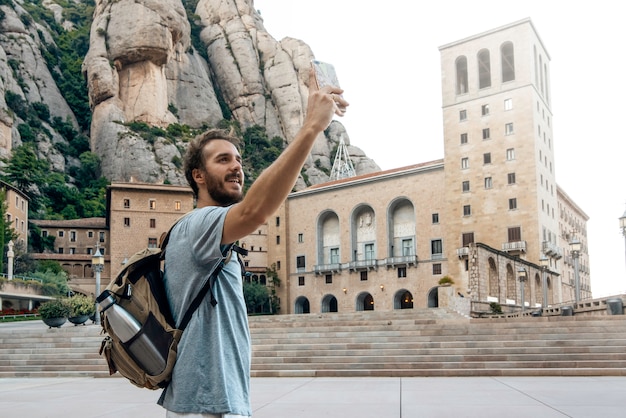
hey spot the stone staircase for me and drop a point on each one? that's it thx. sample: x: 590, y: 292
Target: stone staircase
x: 418, y: 342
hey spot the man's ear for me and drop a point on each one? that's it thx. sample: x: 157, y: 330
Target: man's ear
x: 198, y: 176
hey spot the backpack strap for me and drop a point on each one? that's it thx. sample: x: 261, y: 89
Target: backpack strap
x: 206, y: 288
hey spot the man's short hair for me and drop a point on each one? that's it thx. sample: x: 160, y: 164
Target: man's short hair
x: 194, y: 157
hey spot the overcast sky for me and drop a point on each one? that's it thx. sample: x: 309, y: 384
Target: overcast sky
x: 387, y: 59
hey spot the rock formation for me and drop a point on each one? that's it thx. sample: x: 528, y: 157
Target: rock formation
x: 144, y: 66
x: 141, y: 66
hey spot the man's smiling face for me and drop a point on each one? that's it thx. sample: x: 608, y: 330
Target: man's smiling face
x: 223, y: 173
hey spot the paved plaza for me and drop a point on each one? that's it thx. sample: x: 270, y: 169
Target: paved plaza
x: 463, y: 397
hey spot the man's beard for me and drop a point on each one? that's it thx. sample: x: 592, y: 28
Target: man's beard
x: 219, y: 194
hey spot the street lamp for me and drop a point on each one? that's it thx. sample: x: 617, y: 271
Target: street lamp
x: 97, y: 263
x: 545, y: 262
x: 521, y: 273
x: 575, y: 247
x: 622, y: 225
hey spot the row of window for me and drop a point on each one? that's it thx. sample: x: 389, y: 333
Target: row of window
x: 73, y: 235
x: 514, y: 234
x: 152, y: 204
x: 19, y: 225
x: 151, y: 222
x: 364, y: 276
x: 486, y: 133
x: 72, y: 250
x: 467, y: 209
x: 483, y: 61
x: 488, y: 182
x: 510, y: 156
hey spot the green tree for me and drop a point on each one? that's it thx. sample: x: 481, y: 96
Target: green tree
x: 256, y: 296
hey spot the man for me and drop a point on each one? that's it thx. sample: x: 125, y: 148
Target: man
x: 212, y: 373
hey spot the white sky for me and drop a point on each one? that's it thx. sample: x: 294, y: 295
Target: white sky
x: 387, y: 59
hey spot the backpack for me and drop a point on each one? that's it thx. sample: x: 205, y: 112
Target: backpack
x: 139, y: 291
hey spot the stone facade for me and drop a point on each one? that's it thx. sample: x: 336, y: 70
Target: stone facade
x: 139, y: 213
x: 499, y: 209
x: 17, y: 212
x: 76, y: 242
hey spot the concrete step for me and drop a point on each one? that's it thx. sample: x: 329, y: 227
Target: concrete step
x: 420, y: 343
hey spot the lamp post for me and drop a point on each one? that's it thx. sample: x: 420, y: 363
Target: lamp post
x: 97, y: 263
x: 622, y: 225
x: 545, y: 262
x: 575, y: 247
x: 521, y: 273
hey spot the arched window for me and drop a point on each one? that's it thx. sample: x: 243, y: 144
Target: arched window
x: 461, y: 75
x: 508, y: 62
x: 484, y: 69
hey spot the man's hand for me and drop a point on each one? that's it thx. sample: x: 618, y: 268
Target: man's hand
x: 322, y: 104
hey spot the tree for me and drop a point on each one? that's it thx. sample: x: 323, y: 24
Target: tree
x: 24, y: 170
x: 256, y: 296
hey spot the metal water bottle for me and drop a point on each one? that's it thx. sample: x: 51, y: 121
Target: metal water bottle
x: 126, y: 327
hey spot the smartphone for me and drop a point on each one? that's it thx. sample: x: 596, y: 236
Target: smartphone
x: 325, y: 74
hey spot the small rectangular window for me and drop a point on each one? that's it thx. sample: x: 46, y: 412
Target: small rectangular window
x: 488, y: 183
x: 485, y: 109
x: 467, y: 210
x: 152, y: 204
x: 60, y: 250
x: 364, y: 275
x: 72, y: 236
x: 152, y: 223
x: 515, y: 234
x: 369, y: 251
x: 329, y: 279
x: 511, y: 178
x: 487, y: 158
x: 464, y: 162
x: 300, y: 280
x: 437, y: 268
x: 300, y: 237
x: 508, y: 104
x: 277, y: 239
x: 126, y: 222
x: 300, y: 262
x: 334, y: 255
x: 401, y: 272
x: 468, y: 238
x: 510, y: 154
x: 126, y: 203
x: 61, y: 234
x: 407, y: 247
x: 463, y: 115
x: 44, y: 233
x: 508, y: 129
x: 89, y: 234
x: 177, y: 205
x: 152, y: 242
x: 435, y: 218
x: 465, y: 186
x: 436, y: 248
x: 101, y: 234
x: 486, y: 133
x: 464, y: 138
x: 512, y: 203
x: 278, y: 221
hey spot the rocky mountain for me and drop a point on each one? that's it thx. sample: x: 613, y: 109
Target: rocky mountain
x: 176, y: 66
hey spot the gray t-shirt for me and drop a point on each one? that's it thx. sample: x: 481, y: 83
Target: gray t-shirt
x: 212, y: 371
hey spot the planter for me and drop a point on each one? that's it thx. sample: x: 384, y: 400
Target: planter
x: 77, y: 320
x: 54, y: 322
